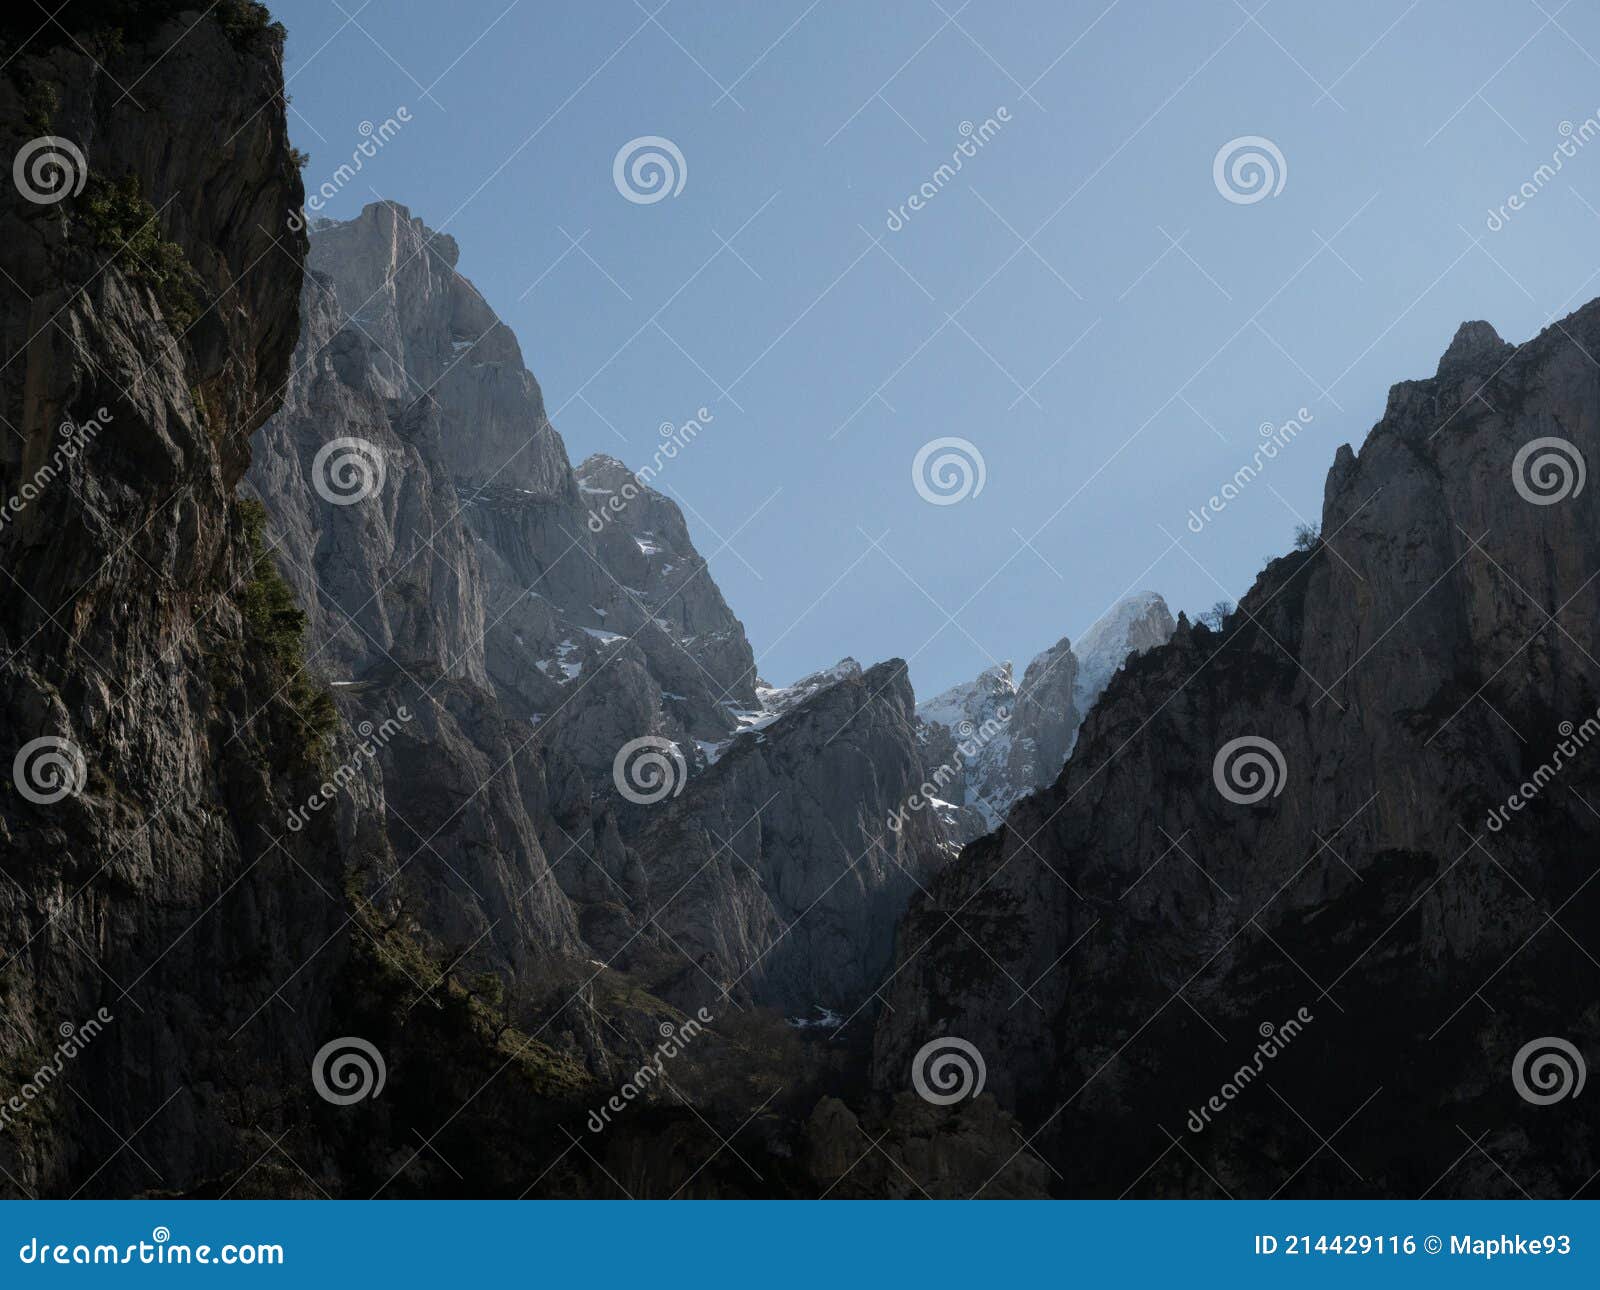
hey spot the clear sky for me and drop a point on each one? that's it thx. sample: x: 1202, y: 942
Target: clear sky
x: 1079, y: 301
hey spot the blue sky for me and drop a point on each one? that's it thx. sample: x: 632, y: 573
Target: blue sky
x: 1081, y: 303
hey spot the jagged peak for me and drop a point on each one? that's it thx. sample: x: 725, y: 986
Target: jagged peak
x: 1114, y: 623
x: 846, y: 669
x: 600, y: 463
x: 398, y: 215
x: 959, y: 702
x: 1471, y: 342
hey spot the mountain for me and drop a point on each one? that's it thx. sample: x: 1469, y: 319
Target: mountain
x: 1281, y: 853
x: 486, y: 586
x: 315, y: 755
x: 1133, y: 625
x: 991, y: 740
x: 352, y: 727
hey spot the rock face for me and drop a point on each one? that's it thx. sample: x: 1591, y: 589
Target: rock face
x: 457, y: 574
x: 1288, y: 819
x: 990, y: 741
x: 774, y: 872
x: 1133, y: 625
x: 540, y: 620
x: 149, y: 871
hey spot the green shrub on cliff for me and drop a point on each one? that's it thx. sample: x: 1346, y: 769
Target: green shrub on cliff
x: 276, y: 625
x: 115, y: 218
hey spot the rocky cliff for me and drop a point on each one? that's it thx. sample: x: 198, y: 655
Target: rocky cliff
x: 560, y: 641
x: 419, y: 744
x: 325, y: 767
x: 1279, y: 831
x: 153, y: 739
x: 991, y: 740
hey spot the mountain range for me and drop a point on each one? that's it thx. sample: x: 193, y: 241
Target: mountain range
x: 390, y: 794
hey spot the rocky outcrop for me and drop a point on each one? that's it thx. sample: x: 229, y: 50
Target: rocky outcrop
x: 991, y: 740
x: 774, y: 877
x: 1133, y: 625
x: 1285, y: 821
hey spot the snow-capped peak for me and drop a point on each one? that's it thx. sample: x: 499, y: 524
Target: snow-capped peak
x: 1001, y: 739
x: 1134, y: 624
x: 774, y: 701
x: 973, y: 700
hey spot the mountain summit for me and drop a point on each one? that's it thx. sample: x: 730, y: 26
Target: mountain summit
x: 1002, y: 739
